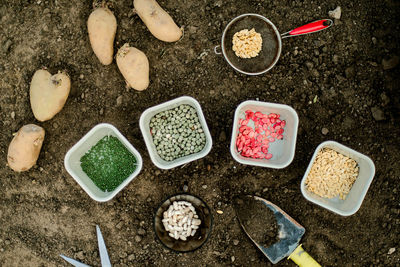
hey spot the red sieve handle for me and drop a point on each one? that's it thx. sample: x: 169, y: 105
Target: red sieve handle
x: 312, y: 27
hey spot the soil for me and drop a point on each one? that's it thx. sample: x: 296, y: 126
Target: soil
x: 258, y: 220
x: 343, y: 83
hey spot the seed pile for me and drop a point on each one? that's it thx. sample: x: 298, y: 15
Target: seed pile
x: 254, y: 142
x: 247, y: 44
x: 177, y: 132
x: 108, y: 163
x: 181, y: 220
x: 332, y: 174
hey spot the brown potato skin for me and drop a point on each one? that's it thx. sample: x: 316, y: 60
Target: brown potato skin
x: 157, y: 20
x: 24, y: 148
x: 102, y: 26
x: 134, y: 66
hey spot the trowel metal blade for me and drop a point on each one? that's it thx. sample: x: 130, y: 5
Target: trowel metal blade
x: 290, y: 233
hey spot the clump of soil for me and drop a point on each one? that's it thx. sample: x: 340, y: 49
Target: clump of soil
x: 258, y: 220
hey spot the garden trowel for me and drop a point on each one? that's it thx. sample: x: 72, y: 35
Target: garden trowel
x: 289, y: 235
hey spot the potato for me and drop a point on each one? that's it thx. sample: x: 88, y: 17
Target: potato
x: 159, y: 22
x: 134, y: 66
x: 48, y: 93
x: 102, y: 26
x: 24, y: 148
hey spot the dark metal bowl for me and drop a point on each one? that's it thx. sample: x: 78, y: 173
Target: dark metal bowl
x: 203, y: 232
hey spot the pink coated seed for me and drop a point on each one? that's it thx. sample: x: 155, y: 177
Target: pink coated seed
x: 246, y: 132
x: 259, y: 138
x: 265, y: 141
x: 271, y: 139
x: 273, y: 120
x: 251, y: 134
x: 267, y: 133
x: 280, y: 131
x: 258, y: 114
x: 274, y: 135
x: 245, y: 122
x: 283, y: 123
x: 268, y: 156
x: 279, y: 137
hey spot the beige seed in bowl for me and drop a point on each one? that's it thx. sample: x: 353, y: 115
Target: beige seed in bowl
x: 247, y: 44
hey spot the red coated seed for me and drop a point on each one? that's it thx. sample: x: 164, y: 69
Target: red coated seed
x: 240, y: 147
x: 250, y: 140
x: 258, y: 114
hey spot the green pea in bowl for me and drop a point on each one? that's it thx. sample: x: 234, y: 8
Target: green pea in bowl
x: 175, y: 132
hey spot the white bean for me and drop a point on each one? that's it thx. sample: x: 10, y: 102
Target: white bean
x: 193, y: 232
x: 183, y: 237
x: 175, y: 205
x: 171, y: 235
x: 195, y: 226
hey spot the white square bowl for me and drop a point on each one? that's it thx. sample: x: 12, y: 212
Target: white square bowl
x: 354, y: 199
x: 145, y: 128
x: 282, y: 150
x: 73, y: 165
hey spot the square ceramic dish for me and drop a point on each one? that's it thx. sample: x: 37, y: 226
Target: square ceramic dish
x: 354, y: 199
x: 73, y: 165
x: 145, y: 128
x: 282, y: 150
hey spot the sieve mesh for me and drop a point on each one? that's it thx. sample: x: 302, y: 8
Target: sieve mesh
x: 269, y: 53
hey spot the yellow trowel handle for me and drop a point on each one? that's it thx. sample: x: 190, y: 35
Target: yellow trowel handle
x: 302, y: 258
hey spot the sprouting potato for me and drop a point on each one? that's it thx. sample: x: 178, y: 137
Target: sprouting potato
x: 157, y: 20
x: 102, y: 26
x: 134, y: 66
x: 48, y: 93
x: 24, y: 148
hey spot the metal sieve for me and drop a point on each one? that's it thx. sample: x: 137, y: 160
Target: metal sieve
x: 271, y: 42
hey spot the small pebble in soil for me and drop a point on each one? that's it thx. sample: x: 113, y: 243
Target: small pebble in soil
x: 324, y: 131
x: 108, y: 163
x: 235, y: 242
x: 336, y: 13
x: 177, y: 132
x: 377, y: 113
x: 138, y: 238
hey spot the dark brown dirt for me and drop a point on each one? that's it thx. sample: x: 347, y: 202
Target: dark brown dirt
x: 258, y: 220
x: 344, y: 79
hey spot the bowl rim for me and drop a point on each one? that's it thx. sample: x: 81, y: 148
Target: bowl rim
x: 364, y: 191
x: 123, y: 140
x: 171, y: 196
x: 148, y: 139
x: 234, y: 135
